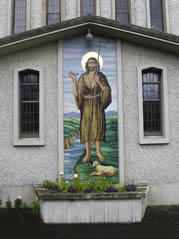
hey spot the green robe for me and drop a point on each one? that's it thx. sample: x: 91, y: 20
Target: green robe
x: 92, y: 101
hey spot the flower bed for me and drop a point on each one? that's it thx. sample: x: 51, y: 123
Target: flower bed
x: 99, y: 202
x: 77, y: 186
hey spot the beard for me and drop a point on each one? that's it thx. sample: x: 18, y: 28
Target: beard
x: 92, y: 68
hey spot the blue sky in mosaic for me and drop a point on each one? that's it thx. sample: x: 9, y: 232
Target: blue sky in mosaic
x: 73, y: 52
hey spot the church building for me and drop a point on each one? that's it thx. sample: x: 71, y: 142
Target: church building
x: 85, y: 81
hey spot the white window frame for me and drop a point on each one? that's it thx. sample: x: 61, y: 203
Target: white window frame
x: 166, y: 22
x: 164, y: 138
x: 17, y: 140
x: 11, y: 16
x: 44, y: 17
x: 131, y: 11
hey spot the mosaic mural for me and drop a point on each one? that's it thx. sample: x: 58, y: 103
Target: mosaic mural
x: 90, y: 109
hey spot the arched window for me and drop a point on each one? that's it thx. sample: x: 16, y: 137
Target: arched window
x: 88, y: 7
x: 156, y: 14
x: 29, y: 104
x: 153, y: 105
x: 19, y: 22
x: 53, y: 11
x: 122, y: 10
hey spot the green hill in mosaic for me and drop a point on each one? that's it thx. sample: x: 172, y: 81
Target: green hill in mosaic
x: 109, y: 149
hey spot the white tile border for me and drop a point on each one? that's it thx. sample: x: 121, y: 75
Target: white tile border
x: 60, y: 115
x: 120, y: 114
x: 17, y: 141
x: 164, y: 139
x: 61, y: 105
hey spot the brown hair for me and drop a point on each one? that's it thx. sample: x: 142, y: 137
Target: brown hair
x: 95, y: 60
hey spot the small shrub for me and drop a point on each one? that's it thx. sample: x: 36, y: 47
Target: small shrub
x: 25, y: 206
x: 35, y: 207
x: 8, y: 204
x: 18, y: 203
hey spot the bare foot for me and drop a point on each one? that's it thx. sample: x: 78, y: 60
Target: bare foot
x: 86, y: 158
x: 100, y: 156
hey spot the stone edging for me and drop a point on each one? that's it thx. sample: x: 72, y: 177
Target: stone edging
x: 43, y: 194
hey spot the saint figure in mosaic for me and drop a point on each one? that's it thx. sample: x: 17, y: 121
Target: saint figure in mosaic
x: 92, y: 96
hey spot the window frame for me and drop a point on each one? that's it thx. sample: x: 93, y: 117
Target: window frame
x: 154, y: 139
x: 26, y: 102
x: 17, y: 140
x: 158, y: 99
x: 162, y: 16
x: 95, y: 7
x: 60, y: 12
x: 129, y: 20
x: 11, y: 5
x: 165, y: 10
x: 14, y: 17
x: 131, y: 11
x: 44, y: 17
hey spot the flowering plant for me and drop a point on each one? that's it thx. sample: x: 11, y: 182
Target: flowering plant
x: 77, y: 186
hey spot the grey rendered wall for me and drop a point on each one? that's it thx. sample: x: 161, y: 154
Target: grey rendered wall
x: 3, y: 18
x: 36, y: 12
x: 140, y: 13
x: 28, y: 165
x: 149, y: 163
x: 70, y: 9
x: 174, y: 16
x: 106, y: 8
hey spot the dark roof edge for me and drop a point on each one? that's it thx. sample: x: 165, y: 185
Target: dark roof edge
x: 73, y: 23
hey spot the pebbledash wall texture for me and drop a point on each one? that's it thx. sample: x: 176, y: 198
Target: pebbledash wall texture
x: 28, y: 165
x: 154, y: 164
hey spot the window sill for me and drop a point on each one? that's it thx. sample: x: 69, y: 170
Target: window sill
x: 154, y: 140
x: 29, y: 142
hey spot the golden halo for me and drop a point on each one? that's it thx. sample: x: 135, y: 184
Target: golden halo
x: 89, y: 55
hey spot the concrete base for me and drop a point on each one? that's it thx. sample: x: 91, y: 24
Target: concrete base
x: 92, y: 208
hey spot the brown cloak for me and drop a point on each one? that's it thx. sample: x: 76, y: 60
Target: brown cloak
x: 92, y: 101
